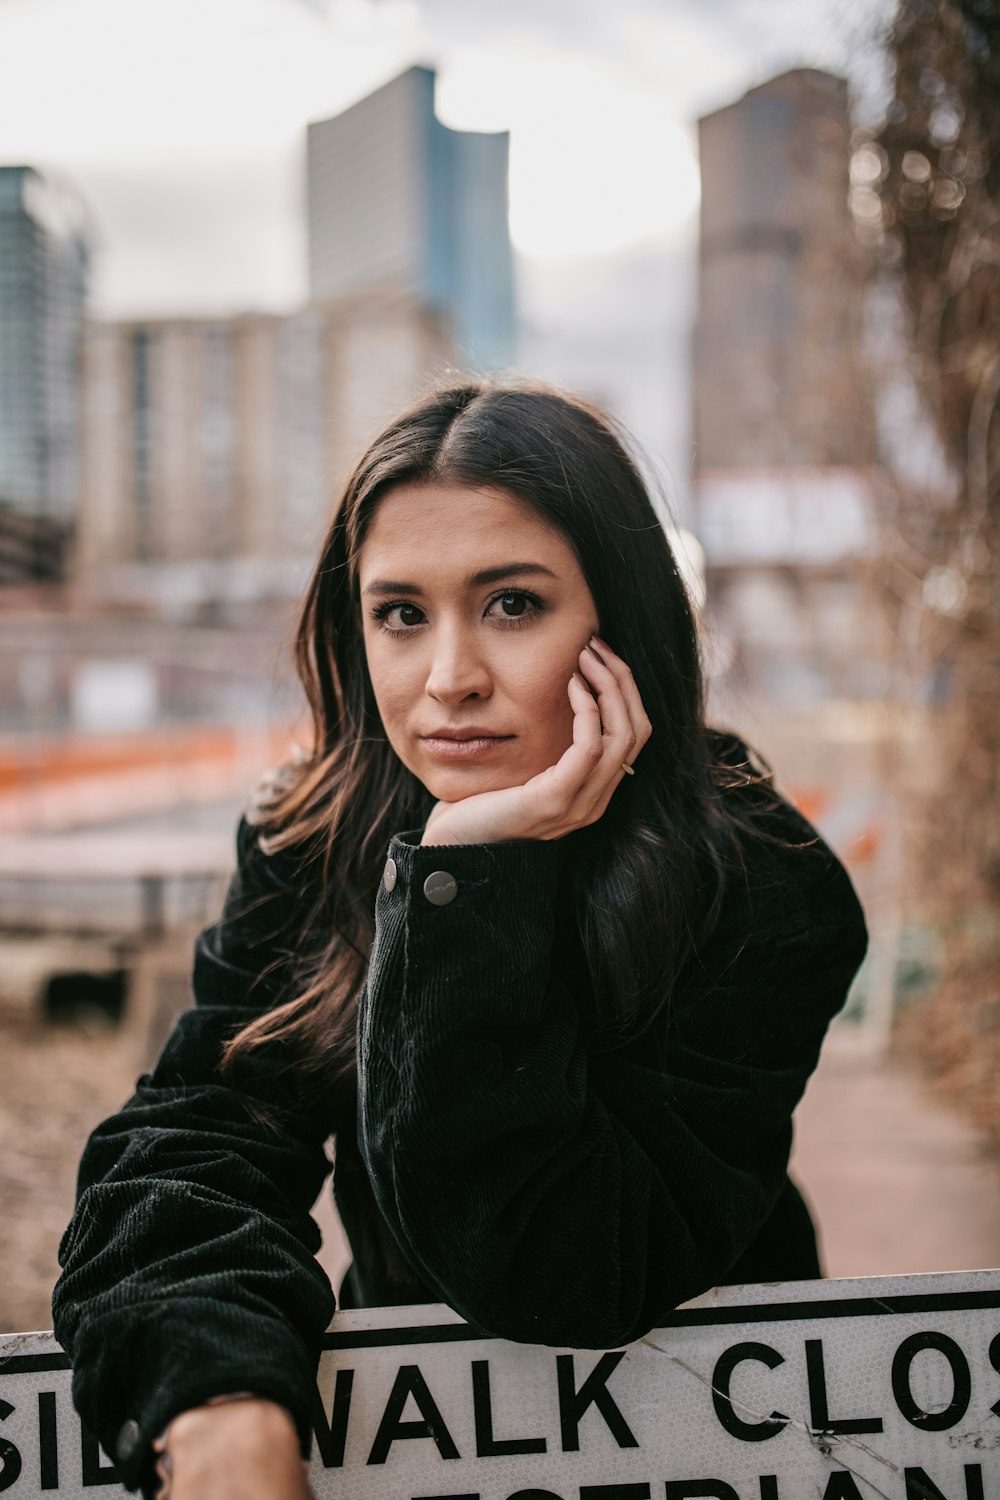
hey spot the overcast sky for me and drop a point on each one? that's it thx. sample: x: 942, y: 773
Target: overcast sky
x: 182, y: 124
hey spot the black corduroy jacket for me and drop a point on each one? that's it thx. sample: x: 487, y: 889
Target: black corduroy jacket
x: 550, y: 1190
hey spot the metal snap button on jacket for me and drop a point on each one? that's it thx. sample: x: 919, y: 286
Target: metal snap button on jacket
x: 440, y: 888
x: 389, y: 875
x: 128, y: 1437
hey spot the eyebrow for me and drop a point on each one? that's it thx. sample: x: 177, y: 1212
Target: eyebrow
x: 475, y: 580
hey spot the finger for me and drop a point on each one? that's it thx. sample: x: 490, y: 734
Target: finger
x: 587, y: 744
x: 576, y: 765
x: 618, y: 737
x: 622, y: 674
x: 619, y: 731
x: 630, y: 691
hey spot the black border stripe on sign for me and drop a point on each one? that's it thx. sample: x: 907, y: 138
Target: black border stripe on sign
x: 31, y: 1364
x: 702, y: 1317
x: 692, y: 1317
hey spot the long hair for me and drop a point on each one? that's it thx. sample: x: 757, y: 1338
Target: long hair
x: 646, y: 882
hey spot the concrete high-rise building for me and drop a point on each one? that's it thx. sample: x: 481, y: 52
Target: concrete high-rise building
x: 204, y: 439
x: 214, y: 447
x: 43, y: 269
x: 778, y: 327
x: 783, y: 433
x: 400, y: 204
x: 784, y: 454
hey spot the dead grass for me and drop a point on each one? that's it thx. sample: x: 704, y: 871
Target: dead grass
x: 56, y: 1084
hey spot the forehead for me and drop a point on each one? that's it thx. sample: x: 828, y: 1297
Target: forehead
x: 440, y: 524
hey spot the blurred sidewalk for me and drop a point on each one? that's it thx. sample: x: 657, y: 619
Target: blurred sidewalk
x: 897, y: 1181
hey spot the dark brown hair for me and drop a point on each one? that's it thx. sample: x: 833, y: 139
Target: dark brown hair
x: 646, y: 882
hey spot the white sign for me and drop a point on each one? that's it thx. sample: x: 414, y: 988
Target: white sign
x: 871, y: 1389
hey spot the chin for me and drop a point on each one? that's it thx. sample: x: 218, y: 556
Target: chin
x: 455, y: 786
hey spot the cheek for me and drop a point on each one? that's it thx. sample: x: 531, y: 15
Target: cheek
x: 391, y: 685
x: 544, y: 699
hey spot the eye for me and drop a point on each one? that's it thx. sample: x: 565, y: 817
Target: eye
x: 399, y: 617
x: 513, y: 607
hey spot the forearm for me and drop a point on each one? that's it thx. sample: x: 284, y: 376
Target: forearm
x: 189, y: 1267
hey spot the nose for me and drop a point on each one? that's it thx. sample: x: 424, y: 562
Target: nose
x: 458, y: 669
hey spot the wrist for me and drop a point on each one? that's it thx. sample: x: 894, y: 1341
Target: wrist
x: 242, y: 1419
x: 250, y: 1414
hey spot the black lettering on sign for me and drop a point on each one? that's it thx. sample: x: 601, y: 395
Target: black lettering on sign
x: 94, y: 1472
x: 931, y: 1421
x: 919, y: 1487
x: 768, y: 1487
x: 748, y: 1432
x: 696, y: 1489
x: 331, y: 1440
x: 534, y: 1495
x: 819, y: 1411
x: 995, y: 1362
x: 410, y: 1382
x: 594, y: 1392
x: 487, y: 1446
x: 10, y: 1458
x: 48, y: 1442
x: 614, y: 1492
x: 447, y: 1497
x: 974, y: 1482
x: 842, y: 1486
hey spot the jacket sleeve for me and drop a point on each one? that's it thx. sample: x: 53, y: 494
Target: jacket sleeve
x: 188, y: 1268
x: 561, y: 1195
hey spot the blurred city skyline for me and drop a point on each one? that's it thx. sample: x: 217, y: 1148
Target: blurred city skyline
x: 183, y: 126
x: 182, y: 123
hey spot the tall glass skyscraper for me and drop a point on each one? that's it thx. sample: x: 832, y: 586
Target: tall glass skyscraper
x: 398, y: 203
x: 43, y: 269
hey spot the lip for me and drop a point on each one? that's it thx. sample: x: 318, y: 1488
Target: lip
x: 463, y: 744
x: 465, y: 733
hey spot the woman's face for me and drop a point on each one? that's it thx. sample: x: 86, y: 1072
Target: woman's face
x: 475, y: 611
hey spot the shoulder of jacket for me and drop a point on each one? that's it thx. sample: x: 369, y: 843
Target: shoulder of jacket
x: 791, y: 883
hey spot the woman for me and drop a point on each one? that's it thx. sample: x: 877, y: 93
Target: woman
x: 547, y: 957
